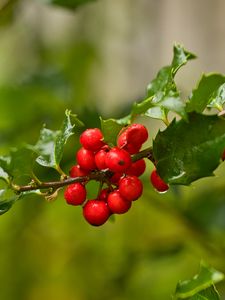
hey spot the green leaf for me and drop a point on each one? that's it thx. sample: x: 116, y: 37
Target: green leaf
x: 162, y: 93
x: 110, y: 129
x: 186, y: 151
x: 207, y: 294
x: 50, y: 145
x: 201, y: 286
x: 7, y: 199
x: 209, y: 92
x: 4, y: 169
x: 68, y: 3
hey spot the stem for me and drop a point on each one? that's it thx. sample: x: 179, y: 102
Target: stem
x: 101, y: 176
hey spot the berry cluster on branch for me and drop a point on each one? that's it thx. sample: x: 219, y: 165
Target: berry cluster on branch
x: 121, y: 166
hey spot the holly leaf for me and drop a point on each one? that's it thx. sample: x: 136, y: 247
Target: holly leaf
x: 110, y: 129
x: 68, y: 3
x: 7, y: 199
x: 50, y: 145
x: 162, y: 93
x: 4, y: 169
x: 187, y: 151
x: 210, y: 92
x: 201, y: 286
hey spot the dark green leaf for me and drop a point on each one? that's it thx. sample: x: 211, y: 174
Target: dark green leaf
x: 210, y: 91
x: 68, y: 3
x: 201, y: 286
x: 162, y: 93
x: 110, y: 129
x: 7, y: 199
x: 186, y: 151
x: 51, y: 143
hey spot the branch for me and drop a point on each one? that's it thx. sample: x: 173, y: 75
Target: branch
x: 102, y: 176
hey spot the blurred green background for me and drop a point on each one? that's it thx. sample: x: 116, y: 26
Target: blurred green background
x: 96, y: 61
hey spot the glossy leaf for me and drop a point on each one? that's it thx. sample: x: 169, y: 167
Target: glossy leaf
x: 162, y: 93
x: 68, y: 3
x: 209, y: 92
x: 201, y: 286
x: 186, y: 151
x: 51, y: 143
x: 4, y: 169
x: 110, y: 129
x: 7, y: 199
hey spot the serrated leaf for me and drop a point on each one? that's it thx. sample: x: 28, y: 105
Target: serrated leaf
x: 110, y: 129
x: 207, y: 294
x: 162, y: 93
x: 187, y: 151
x: 50, y: 145
x: 68, y: 3
x: 207, y: 92
x: 7, y: 199
x: 201, y: 286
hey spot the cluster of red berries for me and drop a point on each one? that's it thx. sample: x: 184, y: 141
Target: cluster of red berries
x: 123, y: 184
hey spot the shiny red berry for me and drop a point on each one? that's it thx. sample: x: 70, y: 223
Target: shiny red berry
x: 130, y: 187
x: 92, y: 139
x: 76, y: 171
x: 104, y: 194
x: 137, y: 134
x: 118, y: 204
x: 96, y: 212
x: 86, y: 159
x: 157, y: 182
x: 129, y: 147
x: 137, y: 168
x: 75, y: 194
x: 118, y: 160
x: 100, y: 158
x: 116, y: 178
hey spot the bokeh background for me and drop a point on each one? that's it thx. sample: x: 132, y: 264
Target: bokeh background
x: 95, y: 61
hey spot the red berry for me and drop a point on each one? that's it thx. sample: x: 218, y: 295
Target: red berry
x: 76, y: 171
x: 137, y: 168
x: 96, y: 212
x: 100, y: 158
x: 137, y: 134
x: 116, y: 178
x: 104, y: 194
x: 157, y: 182
x: 130, y: 187
x: 118, y: 160
x: 129, y: 147
x: 86, y: 159
x: 117, y: 204
x: 75, y: 194
x: 223, y: 155
x: 92, y: 139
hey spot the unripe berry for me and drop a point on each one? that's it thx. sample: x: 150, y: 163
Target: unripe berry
x: 130, y: 187
x: 92, y: 139
x: 76, y: 171
x: 100, y: 158
x: 75, y: 194
x: 86, y: 159
x: 96, y: 212
x: 118, y: 160
x: 157, y: 182
x: 137, y: 168
x: 117, y: 204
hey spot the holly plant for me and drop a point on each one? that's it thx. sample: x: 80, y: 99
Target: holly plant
x: 190, y: 147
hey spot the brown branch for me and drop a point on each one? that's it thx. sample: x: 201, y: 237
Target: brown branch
x: 102, y: 176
